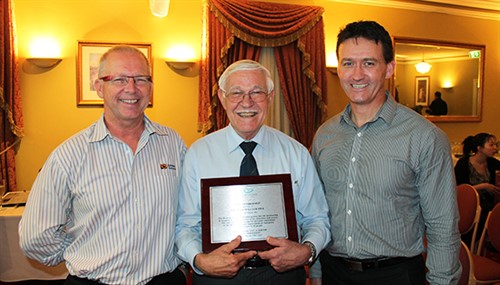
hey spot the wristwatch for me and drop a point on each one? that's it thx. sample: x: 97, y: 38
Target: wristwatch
x: 313, y: 252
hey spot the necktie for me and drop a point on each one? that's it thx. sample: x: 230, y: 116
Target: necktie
x: 248, y: 165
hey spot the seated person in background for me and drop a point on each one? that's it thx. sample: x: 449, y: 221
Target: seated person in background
x: 438, y: 106
x: 477, y: 168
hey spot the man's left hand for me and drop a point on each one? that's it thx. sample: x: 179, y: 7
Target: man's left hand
x: 286, y: 254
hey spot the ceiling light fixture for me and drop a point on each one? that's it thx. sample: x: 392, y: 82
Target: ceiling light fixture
x: 423, y: 67
x: 159, y: 8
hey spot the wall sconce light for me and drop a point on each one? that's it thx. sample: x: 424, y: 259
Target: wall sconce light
x: 179, y: 65
x: 447, y: 85
x: 182, y: 59
x: 332, y: 62
x: 44, y: 62
x: 332, y: 69
x: 187, y: 67
x: 45, y: 52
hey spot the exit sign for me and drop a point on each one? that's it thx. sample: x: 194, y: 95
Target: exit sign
x: 474, y: 54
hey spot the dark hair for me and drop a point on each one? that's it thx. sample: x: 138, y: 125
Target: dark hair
x: 437, y: 94
x: 369, y: 30
x: 471, y: 143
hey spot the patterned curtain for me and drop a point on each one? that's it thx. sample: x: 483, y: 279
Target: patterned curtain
x: 237, y: 29
x: 11, y: 116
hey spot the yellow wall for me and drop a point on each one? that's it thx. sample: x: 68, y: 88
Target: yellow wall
x: 49, y: 98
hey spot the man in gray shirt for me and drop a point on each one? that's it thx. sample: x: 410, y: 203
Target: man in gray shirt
x: 388, y: 177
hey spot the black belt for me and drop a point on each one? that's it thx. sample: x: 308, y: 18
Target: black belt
x: 365, y: 264
x: 255, y: 262
x: 174, y: 277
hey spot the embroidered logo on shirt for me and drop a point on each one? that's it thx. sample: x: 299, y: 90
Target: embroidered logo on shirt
x: 167, y: 166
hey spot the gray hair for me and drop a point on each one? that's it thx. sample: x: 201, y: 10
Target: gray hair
x: 246, y: 64
x: 119, y: 49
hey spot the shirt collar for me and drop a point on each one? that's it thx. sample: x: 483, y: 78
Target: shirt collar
x: 101, y: 131
x: 234, y: 140
x: 387, y: 112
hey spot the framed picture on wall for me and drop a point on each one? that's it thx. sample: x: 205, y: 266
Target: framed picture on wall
x: 422, y: 90
x: 87, y: 66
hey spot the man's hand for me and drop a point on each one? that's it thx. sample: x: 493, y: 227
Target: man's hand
x: 221, y: 262
x: 286, y: 255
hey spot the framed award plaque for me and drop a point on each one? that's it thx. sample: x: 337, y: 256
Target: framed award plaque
x: 254, y: 207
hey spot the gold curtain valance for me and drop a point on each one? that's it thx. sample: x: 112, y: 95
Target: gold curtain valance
x: 266, y: 24
x: 239, y: 29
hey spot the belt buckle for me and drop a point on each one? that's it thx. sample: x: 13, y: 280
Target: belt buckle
x: 361, y: 266
x: 254, y: 262
x: 356, y: 265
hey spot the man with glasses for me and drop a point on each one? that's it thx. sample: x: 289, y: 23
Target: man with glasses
x: 105, y: 200
x: 246, y: 91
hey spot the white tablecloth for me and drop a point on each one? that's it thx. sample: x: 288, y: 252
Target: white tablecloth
x: 14, y: 266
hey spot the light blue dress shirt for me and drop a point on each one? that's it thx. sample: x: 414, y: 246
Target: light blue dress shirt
x: 388, y: 183
x: 107, y: 212
x: 219, y: 155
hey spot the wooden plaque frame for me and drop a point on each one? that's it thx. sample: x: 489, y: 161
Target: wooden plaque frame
x: 206, y: 214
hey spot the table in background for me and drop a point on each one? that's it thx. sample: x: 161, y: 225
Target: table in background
x: 14, y: 266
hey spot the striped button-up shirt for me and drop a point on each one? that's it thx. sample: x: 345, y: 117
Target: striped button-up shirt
x: 387, y: 184
x: 106, y: 211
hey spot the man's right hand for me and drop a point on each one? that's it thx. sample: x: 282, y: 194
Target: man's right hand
x: 221, y: 262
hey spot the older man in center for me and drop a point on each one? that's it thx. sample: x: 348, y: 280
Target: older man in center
x: 246, y: 92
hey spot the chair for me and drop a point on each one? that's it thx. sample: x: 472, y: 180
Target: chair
x: 467, y: 276
x: 469, y: 210
x: 486, y: 270
x: 465, y: 258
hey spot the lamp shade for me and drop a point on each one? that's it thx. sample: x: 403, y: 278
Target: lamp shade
x: 423, y: 67
x: 159, y: 8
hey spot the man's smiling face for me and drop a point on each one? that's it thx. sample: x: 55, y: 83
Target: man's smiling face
x: 362, y: 70
x: 246, y: 116
x: 128, y: 102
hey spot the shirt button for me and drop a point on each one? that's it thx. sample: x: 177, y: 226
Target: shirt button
x: 349, y: 212
x: 353, y: 159
x: 350, y: 185
x: 359, y: 134
x: 349, y: 239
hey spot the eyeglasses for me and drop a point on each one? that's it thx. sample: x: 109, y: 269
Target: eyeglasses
x: 237, y: 96
x: 122, y: 80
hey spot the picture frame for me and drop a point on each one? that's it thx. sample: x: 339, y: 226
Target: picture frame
x: 422, y: 90
x: 89, y: 53
x: 251, y: 206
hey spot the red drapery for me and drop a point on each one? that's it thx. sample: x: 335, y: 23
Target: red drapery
x: 11, y: 118
x: 237, y: 29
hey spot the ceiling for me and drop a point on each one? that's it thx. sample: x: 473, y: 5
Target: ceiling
x: 484, y: 9
x: 412, y: 53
